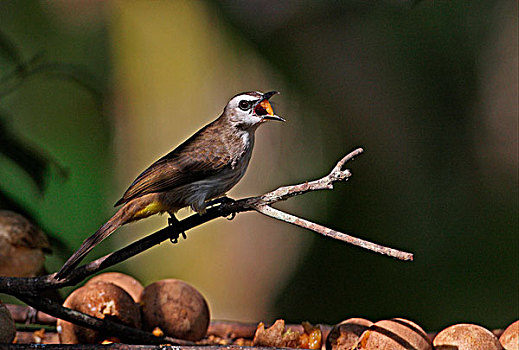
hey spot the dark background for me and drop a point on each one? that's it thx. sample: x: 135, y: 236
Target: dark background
x: 428, y: 88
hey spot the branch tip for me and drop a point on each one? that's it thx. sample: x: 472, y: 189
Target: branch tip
x: 347, y: 158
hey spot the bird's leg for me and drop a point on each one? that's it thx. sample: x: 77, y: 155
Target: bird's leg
x: 220, y: 201
x: 173, y: 221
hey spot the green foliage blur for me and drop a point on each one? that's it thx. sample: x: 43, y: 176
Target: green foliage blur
x: 428, y: 88
x: 53, y: 166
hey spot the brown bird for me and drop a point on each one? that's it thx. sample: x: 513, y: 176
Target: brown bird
x: 204, y: 167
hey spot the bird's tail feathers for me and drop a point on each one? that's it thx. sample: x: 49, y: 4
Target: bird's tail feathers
x: 103, y: 232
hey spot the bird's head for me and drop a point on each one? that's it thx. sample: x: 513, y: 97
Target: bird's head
x: 250, y: 109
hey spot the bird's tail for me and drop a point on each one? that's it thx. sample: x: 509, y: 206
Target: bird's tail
x: 104, y: 231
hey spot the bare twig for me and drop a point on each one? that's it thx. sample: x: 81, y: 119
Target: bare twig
x: 328, y: 232
x: 324, y: 183
x: 19, y: 286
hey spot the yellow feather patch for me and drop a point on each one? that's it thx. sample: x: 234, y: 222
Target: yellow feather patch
x: 150, y: 209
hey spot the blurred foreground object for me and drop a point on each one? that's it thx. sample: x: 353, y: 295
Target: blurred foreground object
x: 22, y: 246
x: 7, y: 326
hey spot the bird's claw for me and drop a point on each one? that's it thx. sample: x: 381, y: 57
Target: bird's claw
x: 172, y: 221
x: 174, y: 240
x: 221, y: 200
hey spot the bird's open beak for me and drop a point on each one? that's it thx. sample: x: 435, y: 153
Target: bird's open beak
x: 264, y: 109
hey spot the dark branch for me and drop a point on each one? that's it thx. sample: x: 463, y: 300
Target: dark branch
x: 129, y: 334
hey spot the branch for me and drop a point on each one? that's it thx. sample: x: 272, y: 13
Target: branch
x: 129, y: 334
x: 18, y: 286
x: 328, y: 232
x: 12, y: 285
x: 337, y: 174
x: 324, y: 183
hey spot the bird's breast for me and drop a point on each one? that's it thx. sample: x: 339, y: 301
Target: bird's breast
x: 223, y: 181
x: 195, y: 194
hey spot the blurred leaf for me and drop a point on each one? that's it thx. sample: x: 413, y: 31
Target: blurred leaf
x: 33, y: 161
x: 26, y: 70
x: 64, y: 71
x: 10, y: 51
x: 71, y: 72
x: 7, y: 203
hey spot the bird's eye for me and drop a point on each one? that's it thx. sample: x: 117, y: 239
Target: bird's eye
x: 244, y: 104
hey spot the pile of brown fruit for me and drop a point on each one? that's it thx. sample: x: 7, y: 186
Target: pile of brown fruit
x: 176, y: 309
x: 169, y: 307
x: 398, y: 333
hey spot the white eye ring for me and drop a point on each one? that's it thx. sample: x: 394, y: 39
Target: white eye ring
x: 245, y: 105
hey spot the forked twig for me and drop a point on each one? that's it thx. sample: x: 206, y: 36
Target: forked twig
x: 325, y: 183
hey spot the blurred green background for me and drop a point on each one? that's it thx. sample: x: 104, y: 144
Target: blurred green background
x: 428, y: 88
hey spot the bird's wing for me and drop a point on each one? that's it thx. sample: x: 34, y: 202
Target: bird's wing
x: 199, y: 157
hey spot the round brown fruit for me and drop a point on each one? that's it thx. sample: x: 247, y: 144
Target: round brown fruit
x: 102, y: 300
x: 394, y: 334
x: 345, y: 334
x: 177, y: 308
x: 510, y: 337
x: 126, y: 282
x: 466, y: 337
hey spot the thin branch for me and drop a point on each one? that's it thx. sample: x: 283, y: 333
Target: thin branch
x: 328, y: 232
x: 324, y: 183
x: 18, y: 286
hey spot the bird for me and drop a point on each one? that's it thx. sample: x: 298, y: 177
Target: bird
x: 201, y: 169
